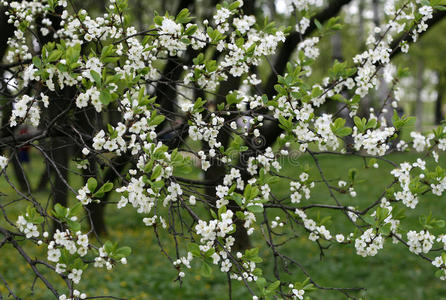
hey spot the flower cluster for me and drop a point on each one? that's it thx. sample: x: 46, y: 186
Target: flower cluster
x: 369, y: 243
x: 3, y: 162
x: 25, y: 108
x: 28, y: 228
x: 299, y: 188
x: 316, y: 232
x: 420, y: 242
x: 405, y: 195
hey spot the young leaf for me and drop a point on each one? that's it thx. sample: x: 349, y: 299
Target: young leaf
x: 92, y: 184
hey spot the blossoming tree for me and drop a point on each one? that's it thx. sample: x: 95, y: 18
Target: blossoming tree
x: 98, y: 83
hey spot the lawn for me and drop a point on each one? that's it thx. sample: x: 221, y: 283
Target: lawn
x: 394, y: 273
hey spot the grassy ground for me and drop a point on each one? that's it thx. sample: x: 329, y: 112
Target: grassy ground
x: 393, y: 274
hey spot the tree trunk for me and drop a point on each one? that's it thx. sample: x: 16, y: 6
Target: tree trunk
x: 376, y: 16
x: 20, y: 174
x: 361, y: 5
x: 439, y: 114
x: 59, y: 155
x: 97, y: 210
x: 44, y: 179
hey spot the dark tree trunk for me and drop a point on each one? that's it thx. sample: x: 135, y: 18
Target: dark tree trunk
x: 44, y: 179
x: 7, y: 30
x: 361, y: 5
x: 59, y: 153
x: 97, y: 210
x: 20, y: 174
x: 439, y: 114
x: 59, y: 145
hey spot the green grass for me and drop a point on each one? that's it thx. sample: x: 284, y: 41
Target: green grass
x: 394, y: 273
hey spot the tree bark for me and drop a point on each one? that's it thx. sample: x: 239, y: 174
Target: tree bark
x: 439, y: 114
x: 361, y: 5
x: 97, y: 210
x: 60, y: 151
x: 7, y: 30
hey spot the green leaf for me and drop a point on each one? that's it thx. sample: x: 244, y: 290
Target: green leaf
x: 107, y: 187
x: 194, y: 249
x: 352, y: 174
x: 382, y: 213
x: 318, y: 24
x: 232, y: 99
x: 261, y: 283
x: 79, y: 264
x: 398, y: 213
x: 191, y: 30
x: 371, y: 124
x: 369, y: 220
x: 211, y: 66
x: 156, y: 172
x: 38, y: 219
x: 255, y: 208
x: 122, y: 252
x: 234, y: 5
x: 209, y: 252
x: 183, y: 16
x: 240, y: 215
x: 199, y: 59
x: 339, y: 98
x: 105, y: 97
x: 158, y: 20
x: 109, y: 247
x: 439, y: 223
x: 158, y: 119
x: 60, y: 212
x: 92, y: 184
x: 257, y: 272
x: 399, y: 123
x: 253, y: 255
x: 185, y: 41
x: 221, y: 210
x: 238, y: 199
x: 96, y: 77
x: 273, y: 286
x: 157, y: 185
x: 106, y: 51
x: 385, y: 230
x: 99, y: 194
x: 111, y: 60
x: 76, y: 209
x: 37, y: 62
x: 74, y: 226
x: 344, y: 131
x: 247, y: 192
x: 73, y: 54
x: 206, y: 269
x: 54, y: 55
x: 360, y: 123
